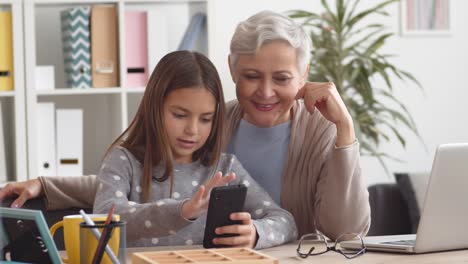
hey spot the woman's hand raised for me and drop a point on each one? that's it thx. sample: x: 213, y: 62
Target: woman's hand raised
x: 325, y: 97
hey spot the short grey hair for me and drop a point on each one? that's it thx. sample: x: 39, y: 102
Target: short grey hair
x: 265, y: 27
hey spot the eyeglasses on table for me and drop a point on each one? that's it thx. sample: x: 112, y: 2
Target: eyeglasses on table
x: 314, y: 244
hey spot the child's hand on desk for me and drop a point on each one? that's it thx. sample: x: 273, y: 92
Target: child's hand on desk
x: 247, y: 233
x: 198, y: 205
x: 25, y: 190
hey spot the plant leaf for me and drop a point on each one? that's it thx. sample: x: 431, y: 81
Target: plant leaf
x: 350, y: 57
x: 355, y: 19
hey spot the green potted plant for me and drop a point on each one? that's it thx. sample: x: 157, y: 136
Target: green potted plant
x: 346, y: 51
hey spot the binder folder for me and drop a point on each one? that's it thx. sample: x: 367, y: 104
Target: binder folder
x: 136, y: 50
x: 193, y: 30
x: 6, y: 51
x: 3, y: 168
x: 76, y: 46
x: 46, y: 158
x: 158, y: 44
x: 104, y: 46
x: 69, y: 142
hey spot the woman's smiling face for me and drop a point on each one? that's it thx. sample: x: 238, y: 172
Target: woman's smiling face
x: 267, y: 83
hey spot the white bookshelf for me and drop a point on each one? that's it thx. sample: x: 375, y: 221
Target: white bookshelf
x: 13, y: 102
x: 91, y: 91
x: 106, y: 111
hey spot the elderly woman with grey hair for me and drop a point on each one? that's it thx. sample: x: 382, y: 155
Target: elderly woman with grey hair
x: 296, y: 138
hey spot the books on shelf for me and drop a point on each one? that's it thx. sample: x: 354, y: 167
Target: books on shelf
x: 91, y: 41
x: 89, y: 36
x: 104, y: 46
x: 6, y: 51
x: 3, y: 169
x: 76, y: 46
x: 136, y: 50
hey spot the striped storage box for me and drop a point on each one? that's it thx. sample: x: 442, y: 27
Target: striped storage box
x: 76, y: 46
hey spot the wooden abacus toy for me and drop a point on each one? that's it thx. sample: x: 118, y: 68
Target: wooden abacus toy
x: 211, y: 256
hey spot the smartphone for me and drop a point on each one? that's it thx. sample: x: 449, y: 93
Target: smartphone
x: 223, y: 202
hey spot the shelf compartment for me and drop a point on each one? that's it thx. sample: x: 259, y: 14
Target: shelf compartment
x: 71, y: 91
x: 7, y: 93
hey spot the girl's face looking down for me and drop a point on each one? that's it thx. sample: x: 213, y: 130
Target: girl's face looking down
x: 188, y: 119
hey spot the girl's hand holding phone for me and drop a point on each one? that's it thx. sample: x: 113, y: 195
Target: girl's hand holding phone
x: 198, y: 205
x: 246, y: 232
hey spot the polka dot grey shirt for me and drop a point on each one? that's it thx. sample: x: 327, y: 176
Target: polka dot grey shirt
x: 160, y: 223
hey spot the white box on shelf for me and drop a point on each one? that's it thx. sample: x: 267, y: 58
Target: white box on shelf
x: 69, y: 142
x: 46, y: 155
x: 44, y: 77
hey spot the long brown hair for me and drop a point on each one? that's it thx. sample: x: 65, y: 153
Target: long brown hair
x: 146, y: 136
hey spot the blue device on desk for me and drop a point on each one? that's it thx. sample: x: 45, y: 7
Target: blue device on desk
x: 25, y: 237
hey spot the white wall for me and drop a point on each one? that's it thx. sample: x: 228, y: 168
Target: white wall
x: 439, y: 63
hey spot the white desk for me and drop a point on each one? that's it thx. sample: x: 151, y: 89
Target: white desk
x: 287, y: 254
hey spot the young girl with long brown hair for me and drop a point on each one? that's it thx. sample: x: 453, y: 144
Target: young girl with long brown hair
x: 160, y: 171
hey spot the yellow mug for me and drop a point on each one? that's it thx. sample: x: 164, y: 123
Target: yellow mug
x: 71, y: 233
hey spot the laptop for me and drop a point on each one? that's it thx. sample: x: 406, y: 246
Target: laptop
x: 25, y: 237
x: 444, y: 218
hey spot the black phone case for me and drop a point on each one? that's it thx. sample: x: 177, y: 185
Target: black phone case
x: 223, y: 202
